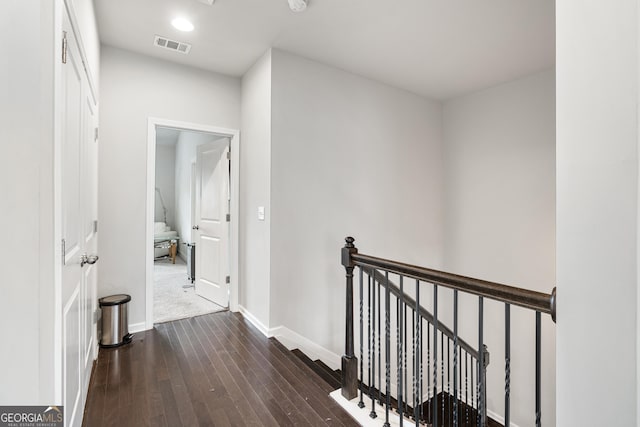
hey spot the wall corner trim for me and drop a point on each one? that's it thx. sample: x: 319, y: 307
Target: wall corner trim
x: 254, y: 321
x: 138, y: 327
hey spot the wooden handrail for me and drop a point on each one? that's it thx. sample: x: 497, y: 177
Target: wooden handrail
x: 410, y: 302
x: 538, y: 301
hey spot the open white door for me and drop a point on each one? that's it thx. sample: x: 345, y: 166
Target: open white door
x: 211, y: 229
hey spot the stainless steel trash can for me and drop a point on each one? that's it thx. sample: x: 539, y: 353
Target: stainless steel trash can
x: 115, y: 320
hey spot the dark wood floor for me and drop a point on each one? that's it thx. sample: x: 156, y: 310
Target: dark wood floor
x: 210, y: 370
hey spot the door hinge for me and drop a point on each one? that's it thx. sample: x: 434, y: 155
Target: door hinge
x: 95, y: 226
x: 228, y: 280
x: 96, y: 315
x: 228, y: 217
x: 63, y: 249
x: 228, y: 155
x: 95, y: 137
x: 64, y: 47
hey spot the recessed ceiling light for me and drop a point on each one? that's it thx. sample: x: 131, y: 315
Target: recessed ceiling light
x: 182, y: 24
x: 297, y: 5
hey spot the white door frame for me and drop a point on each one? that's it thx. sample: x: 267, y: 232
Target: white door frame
x: 234, y: 250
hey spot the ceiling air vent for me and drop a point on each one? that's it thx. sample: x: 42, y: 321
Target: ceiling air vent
x: 174, y: 45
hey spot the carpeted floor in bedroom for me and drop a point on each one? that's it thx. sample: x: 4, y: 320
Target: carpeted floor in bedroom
x: 174, y: 296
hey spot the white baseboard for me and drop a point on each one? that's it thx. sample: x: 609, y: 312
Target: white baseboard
x: 292, y: 340
x: 137, y: 327
x: 254, y: 321
x: 499, y: 418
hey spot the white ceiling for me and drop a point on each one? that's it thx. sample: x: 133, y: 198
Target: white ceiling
x: 436, y: 48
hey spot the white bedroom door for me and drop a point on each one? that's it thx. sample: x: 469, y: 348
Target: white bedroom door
x: 78, y: 211
x: 212, y: 221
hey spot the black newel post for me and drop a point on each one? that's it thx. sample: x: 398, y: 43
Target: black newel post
x: 349, y: 360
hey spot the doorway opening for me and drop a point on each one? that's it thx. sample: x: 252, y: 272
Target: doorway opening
x: 192, y: 217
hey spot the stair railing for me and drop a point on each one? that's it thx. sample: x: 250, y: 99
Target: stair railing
x: 447, y: 405
x: 455, y: 378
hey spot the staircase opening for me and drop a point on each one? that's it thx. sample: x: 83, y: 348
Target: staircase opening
x: 407, y: 364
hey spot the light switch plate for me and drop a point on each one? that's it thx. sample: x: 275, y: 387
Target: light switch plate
x: 261, y: 213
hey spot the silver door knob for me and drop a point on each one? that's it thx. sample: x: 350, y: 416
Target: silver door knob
x: 195, y: 227
x: 88, y: 259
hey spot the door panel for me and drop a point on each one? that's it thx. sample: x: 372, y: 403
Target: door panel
x: 211, y: 270
x: 90, y: 170
x: 211, y: 206
x: 88, y: 326
x: 72, y: 360
x: 212, y: 235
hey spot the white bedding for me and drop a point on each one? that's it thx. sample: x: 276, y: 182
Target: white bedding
x: 165, y: 235
x: 162, y: 232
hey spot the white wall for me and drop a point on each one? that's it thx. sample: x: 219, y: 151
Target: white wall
x: 500, y: 224
x: 597, y: 214
x: 134, y: 88
x: 350, y: 156
x: 166, y: 183
x: 255, y: 184
x: 26, y: 168
x: 186, y: 157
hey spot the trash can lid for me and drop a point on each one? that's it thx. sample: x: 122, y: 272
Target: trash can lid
x: 114, y: 300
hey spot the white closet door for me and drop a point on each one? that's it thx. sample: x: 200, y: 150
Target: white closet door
x: 78, y: 190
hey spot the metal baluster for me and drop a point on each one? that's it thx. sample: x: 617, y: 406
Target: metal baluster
x: 416, y: 359
x: 442, y: 373
x: 372, y: 350
x: 387, y: 347
x: 435, y: 355
x: 406, y: 386
x: 466, y: 387
x: 414, y: 344
x: 481, y: 398
x: 472, y: 388
x: 428, y: 409
x: 449, y: 380
x: 369, y: 331
x: 420, y: 391
x: 379, y: 349
x: 538, y: 370
x: 455, y: 358
x: 507, y: 364
x: 478, y: 399
x: 399, y: 316
x: 459, y: 397
x: 398, y: 359
x: 361, y: 403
